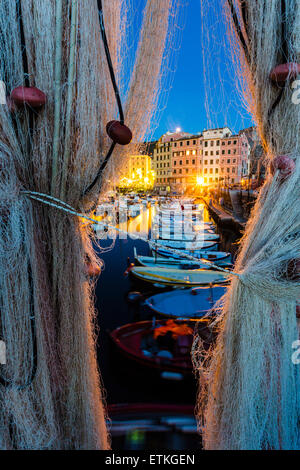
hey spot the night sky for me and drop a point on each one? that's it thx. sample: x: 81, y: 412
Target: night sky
x: 185, y: 107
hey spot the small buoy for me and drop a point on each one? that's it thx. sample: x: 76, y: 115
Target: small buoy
x: 119, y: 133
x: 30, y: 96
x: 284, y: 72
x: 92, y: 269
x: 134, y: 296
x: 293, y: 269
x: 284, y: 164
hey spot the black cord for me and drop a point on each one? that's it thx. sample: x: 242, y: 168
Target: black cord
x: 102, y: 167
x: 284, y: 54
x: 23, y: 44
x: 109, y: 61
x: 239, y: 30
x: 117, y: 95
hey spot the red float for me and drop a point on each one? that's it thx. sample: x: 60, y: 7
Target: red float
x: 92, y: 269
x: 285, y: 72
x: 284, y: 164
x: 119, y: 133
x: 30, y: 96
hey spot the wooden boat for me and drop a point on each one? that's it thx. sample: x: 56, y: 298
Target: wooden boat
x: 163, y: 345
x: 186, y: 303
x: 179, y: 277
x: 216, y: 257
x: 199, y: 245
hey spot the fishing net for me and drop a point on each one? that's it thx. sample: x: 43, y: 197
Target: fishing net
x: 249, y: 386
x: 50, y: 391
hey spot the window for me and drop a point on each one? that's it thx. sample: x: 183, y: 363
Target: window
x: 180, y: 162
x: 228, y: 161
x: 194, y: 152
x: 212, y: 143
x: 234, y: 142
x: 217, y: 152
x: 205, y: 144
x: 187, y: 142
x: 206, y: 154
x: 229, y: 142
x: 175, y: 172
x: 187, y: 162
x: 211, y: 153
x: 180, y: 171
x: 205, y: 162
x: 211, y: 162
x: 175, y: 162
x: 229, y: 152
x: 175, y: 144
x: 218, y: 143
x: 187, y: 152
x: 223, y: 143
x: 233, y: 170
x: 223, y: 152
x: 180, y: 144
x: 211, y: 171
x: 186, y: 170
x: 217, y: 170
x: 234, y: 160
x: 228, y: 170
x: 217, y: 162
x: 193, y: 162
x: 205, y: 170
x: 194, y: 142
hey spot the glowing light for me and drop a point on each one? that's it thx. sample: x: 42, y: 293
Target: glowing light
x: 200, y: 180
x: 178, y: 129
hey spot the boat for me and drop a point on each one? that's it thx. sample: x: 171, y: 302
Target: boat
x: 179, y: 277
x: 187, y: 245
x: 163, y: 345
x: 138, y: 426
x: 152, y: 261
x: 216, y: 257
x: 186, y: 303
x: 181, y: 235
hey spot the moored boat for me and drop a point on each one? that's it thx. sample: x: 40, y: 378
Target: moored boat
x: 163, y: 345
x: 152, y: 261
x: 186, y: 303
x: 191, y: 246
x: 216, y: 257
x: 178, y: 277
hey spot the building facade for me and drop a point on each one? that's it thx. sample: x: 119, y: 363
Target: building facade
x: 215, y: 157
x: 186, y: 163
x: 162, y: 159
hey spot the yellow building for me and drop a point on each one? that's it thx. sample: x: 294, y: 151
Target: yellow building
x: 137, y: 173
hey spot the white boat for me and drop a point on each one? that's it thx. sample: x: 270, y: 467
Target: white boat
x: 216, y: 257
x: 160, y: 262
x: 183, y: 236
x: 191, y: 246
x: 178, y: 277
x: 186, y: 303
